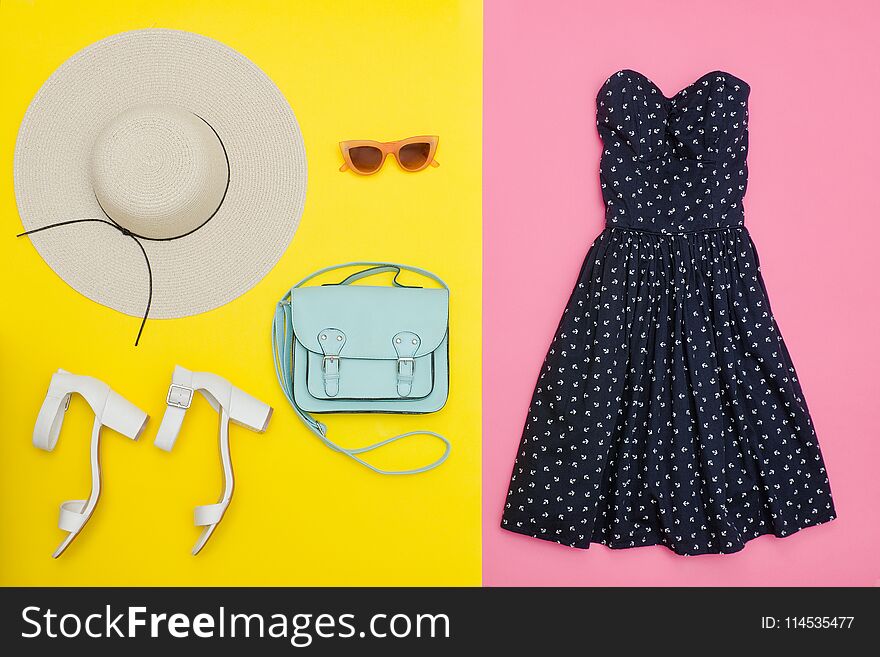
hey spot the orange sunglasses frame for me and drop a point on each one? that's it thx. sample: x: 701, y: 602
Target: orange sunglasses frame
x: 389, y: 148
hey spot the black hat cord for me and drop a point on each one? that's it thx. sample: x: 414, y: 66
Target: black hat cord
x: 109, y: 221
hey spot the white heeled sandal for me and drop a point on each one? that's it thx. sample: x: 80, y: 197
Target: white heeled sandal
x: 232, y: 404
x: 111, y: 410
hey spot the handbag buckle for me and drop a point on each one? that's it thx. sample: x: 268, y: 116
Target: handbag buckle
x: 331, y: 341
x: 330, y: 372
x: 405, y: 361
x: 406, y: 344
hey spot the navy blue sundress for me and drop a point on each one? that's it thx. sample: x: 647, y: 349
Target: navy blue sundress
x: 668, y: 411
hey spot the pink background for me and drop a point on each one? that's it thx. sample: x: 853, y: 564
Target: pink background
x: 811, y: 206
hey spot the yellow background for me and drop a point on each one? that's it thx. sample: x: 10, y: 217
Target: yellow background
x: 302, y: 514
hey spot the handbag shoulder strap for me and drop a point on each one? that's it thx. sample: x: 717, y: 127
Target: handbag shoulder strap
x: 282, y: 352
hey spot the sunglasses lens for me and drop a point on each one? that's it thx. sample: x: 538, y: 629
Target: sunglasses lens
x: 365, y: 158
x: 414, y: 156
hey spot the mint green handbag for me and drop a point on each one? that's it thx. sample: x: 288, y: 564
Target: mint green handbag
x: 343, y: 348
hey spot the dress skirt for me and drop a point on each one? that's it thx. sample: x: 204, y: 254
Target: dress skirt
x: 668, y: 411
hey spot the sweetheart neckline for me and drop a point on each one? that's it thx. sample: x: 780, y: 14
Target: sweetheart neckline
x: 683, y: 90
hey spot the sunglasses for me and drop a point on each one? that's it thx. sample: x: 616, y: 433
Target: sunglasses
x: 367, y: 157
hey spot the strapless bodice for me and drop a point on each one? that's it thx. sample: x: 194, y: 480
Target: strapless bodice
x: 673, y: 165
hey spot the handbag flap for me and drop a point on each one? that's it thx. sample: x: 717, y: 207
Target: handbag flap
x: 370, y: 317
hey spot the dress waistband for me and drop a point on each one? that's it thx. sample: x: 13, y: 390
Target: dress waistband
x: 660, y: 233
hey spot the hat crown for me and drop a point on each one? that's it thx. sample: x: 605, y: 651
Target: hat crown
x: 159, y: 171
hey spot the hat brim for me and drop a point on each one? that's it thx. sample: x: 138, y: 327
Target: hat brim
x: 221, y: 260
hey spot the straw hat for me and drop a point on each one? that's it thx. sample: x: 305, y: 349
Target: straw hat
x: 171, y: 141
